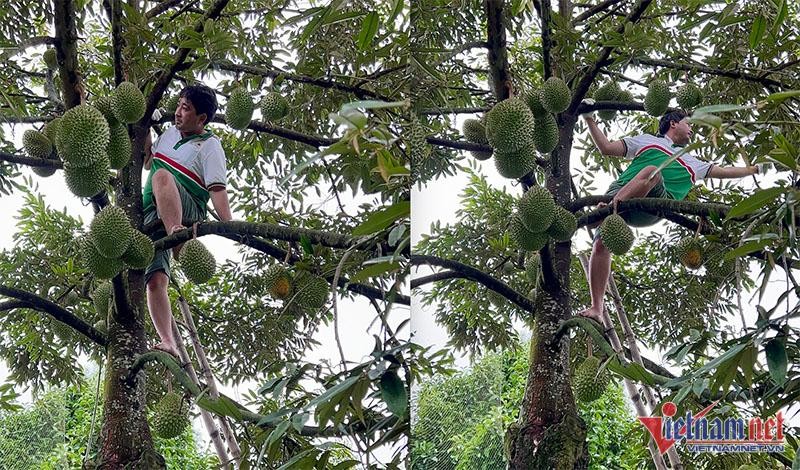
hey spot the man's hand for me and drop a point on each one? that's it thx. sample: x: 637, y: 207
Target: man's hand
x: 588, y: 102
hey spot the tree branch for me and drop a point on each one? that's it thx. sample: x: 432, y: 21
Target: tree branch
x: 617, y: 105
x: 602, y: 6
x: 67, y: 51
x: 56, y: 311
x: 654, y: 205
x: 672, y: 64
x: 259, y: 126
x: 437, y: 111
x: 500, y: 81
x: 547, y: 41
x: 30, y: 161
x: 320, y: 82
x: 25, y: 119
x: 603, y: 60
x: 473, y: 274
x: 116, y: 39
x: 440, y: 276
x: 161, y: 8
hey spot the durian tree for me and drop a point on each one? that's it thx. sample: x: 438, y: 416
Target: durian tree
x: 327, y: 78
x: 488, y: 58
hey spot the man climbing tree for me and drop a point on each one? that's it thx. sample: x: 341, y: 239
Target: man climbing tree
x: 645, y: 178
x: 187, y: 168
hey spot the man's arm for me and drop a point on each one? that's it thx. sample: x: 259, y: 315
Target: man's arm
x: 614, y: 149
x: 731, y: 171
x: 219, y: 199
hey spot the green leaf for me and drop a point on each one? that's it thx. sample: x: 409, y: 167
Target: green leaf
x: 344, y: 464
x: 747, y: 248
x: 777, y: 361
x: 632, y: 371
x: 222, y: 406
x: 375, y: 270
x: 305, y: 242
x: 779, y: 18
x: 381, y: 219
x: 341, y: 386
x: 368, y: 29
x: 756, y: 201
x: 706, y: 119
x: 782, y: 95
x: 757, y: 32
x: 373, y: 104
x: 796, y: 462
x: 393, y: 392
x: 722, y: 358
x: 719, y: 108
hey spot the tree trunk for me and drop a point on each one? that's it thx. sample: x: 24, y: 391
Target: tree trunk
x: 551, y: 435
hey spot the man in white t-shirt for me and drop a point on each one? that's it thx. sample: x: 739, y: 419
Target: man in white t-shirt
x: 674, y: 181
x: 187, y: 169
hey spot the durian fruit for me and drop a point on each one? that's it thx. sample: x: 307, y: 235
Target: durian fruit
x: 589, y: 381
x: 534, y: 101
x: 545, y: 133
x: 100, y: 325
x: 609, y: 91
x: 128, y: 103
x: 171, y: 416
x: 690, y: 252
x: 36, y: 144
x: 102, y: 299
x: 100, y: 266
x: 197, y: 262
x: 50, y: 58
x: 140, y: 253
x: 717, y: 267
x: 111, y: 231
x: 533, y: 264
x: 87, y: 181
x: 119, y: 147
x: 274, y: 106
x: 475, y: 132
x: 278, y: 282
x: 656, y: 101
x: 555, y: 95
x: 625, y: 96
x: 537, y: 209
x: 515, y: 164
x: 524, y: 238
x: 509, y: 125
x: 418, y: 148
x: 689, y: 96
x: 563, y: 226
x: 83, y: 136
x: 616, y: 235
x: 105, y: 105
x: 532, y: 294
x: 310, y: 291
x: 239, y: 111
x: 50, y: 130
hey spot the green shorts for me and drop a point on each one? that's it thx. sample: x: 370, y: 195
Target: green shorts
x: 192, y: 212
x: 638, y: 218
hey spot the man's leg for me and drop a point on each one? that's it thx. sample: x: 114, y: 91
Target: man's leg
x: 600, y: 261
x: 161, y: 311
x: 168, y: 202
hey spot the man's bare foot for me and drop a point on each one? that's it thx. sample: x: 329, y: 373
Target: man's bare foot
x: 600, y: 205
x: 177, y: 249
x: 593, y: 314
x: 169, y: 349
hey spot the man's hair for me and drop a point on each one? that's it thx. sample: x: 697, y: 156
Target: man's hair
x: 202, y: 98
x: 668, y: 118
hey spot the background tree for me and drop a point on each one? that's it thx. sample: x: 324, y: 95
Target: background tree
x: 737, y: 54
x: 340, y: 67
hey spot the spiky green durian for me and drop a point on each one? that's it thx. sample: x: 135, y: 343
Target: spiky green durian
x: 537, y: 209
x: 128, y: 103
x: 239, y: 111
x: 50, y: 129
x: 140, y: 253
x: 509, y: 125
x: 533, y: 264
x: 170, y: 416
x: 616, y: 235
x: 656, y: 101
x: 524, y: 238
x: 717, y: 267
x: 609, y: 91
x: 310, y: 291
x: 563, y: 226
x: 534, y: 101
x: 474, y: 131
x: 111, y: 231
x: 87, y: 181
x: 278, y: 281
x: 515, y: 164
x: 690, y: 252
x: 83, y: 136
x: 418, y: 148
x: 555, y: 95
x: 105, y: 105
x: 102, y: 299
x: 274, y: 106
x: 119, y: 147
x: 100, y: 326
x: 590, y: 382
x: 689, y: 96
x: 50, y: 58
x: 97, y: 264
x: 545, y: 133
x: 36, y: 144
x: 197, y: 262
